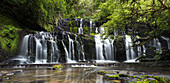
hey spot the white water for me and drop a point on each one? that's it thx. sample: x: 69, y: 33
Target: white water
x: 96, y: 31
x: 44, y: 49
x: 157, y: 45
x: 83, y: 66
x: 24, y: 46
x: 80, y: 30
x: 91, y: 25
x: 102, y: 30
x: 52, y: 50
x: 71, y: 48
x: 104, y: 47
x: 68, y: 59
x: 131, y: 61
x: 66, y: 52
x: 99, y: 48
x: 144, y: 50
x: 38, y: 51
x: 130, y: 54
x: 22, y: 57
x: 108, y: 49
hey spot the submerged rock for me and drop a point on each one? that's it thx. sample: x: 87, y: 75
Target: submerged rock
x: 122, y: 76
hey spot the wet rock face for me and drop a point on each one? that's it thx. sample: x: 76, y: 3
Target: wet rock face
x: 67, y: 24
x: 89, y: 48
x: 120, y: 49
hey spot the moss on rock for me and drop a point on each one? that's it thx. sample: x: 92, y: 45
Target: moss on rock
x: 9, y: 37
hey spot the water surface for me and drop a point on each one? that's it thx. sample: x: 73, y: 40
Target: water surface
x: 72, y: 75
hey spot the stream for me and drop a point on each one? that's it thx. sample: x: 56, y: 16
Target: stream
x: 73, y: 74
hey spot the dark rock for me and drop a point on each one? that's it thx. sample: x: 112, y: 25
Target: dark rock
x: 120, y: 49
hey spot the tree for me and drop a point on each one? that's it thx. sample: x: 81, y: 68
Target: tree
x: 150, y: 18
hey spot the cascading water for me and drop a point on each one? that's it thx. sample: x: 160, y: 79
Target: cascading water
x: 155, y: 43
x: 108, y: 48
x: 71, y: 54
x: 91, y: 25
x: 24, y: 46
x: 38, y: 51
x: 22, y: 57
x: 80, y: 30
x: 104, y: 48
x: 99, y: 48
x: 96, y: 31
x: 144, y: 50
x: 66, y: 52
x: 46, y: 47
x: 130, y: 54
x: 34, y: 49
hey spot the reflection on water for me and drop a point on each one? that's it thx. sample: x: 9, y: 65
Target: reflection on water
x: 66, y: 75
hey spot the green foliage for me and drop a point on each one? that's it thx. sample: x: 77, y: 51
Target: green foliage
x: 135, y: 14
x: 57, y: 66
x: 86, y: 30
x: 9, y: 38
x: 9, y: 35
x: 35, y: 13
x: 74, y: 29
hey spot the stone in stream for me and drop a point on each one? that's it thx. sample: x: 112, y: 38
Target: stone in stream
x: 112, y: 77
x: 120, y: 76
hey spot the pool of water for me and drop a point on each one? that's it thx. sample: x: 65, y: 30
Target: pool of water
x: 72, y: 74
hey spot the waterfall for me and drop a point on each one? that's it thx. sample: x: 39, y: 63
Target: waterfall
x: 80, y: 30
x: 112, y: 49
x: 23, y: 56
x: 108, y: 49
x: 44, y: 49
x: 66, y: 52
x: 82, y: 51
x: 104, y: 47
x: 102, y: 30
x: 52, y: 51
x: 130, y: 54
x: 99, y: 48
x: 168, y: 41
x: 96, y: 31
x: 24, y: 46
x: 144, y: 50
x: 38, y: 51
x: 157, y: 45
x: 91, y: 26
x: 139, y: 50
x: 71, y: 48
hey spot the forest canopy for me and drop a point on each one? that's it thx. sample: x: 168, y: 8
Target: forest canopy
x: 129, y: 16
